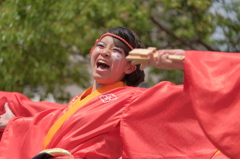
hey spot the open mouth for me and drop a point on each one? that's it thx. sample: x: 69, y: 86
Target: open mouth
x: 102, y: 64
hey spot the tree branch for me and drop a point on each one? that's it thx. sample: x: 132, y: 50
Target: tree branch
x: 170, y: 33
x: 205, y: 45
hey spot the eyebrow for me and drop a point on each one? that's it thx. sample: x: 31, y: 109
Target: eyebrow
x: 116, y: 36
x: 102, y: 42
x: 120, y: 48
x: 113, y: 45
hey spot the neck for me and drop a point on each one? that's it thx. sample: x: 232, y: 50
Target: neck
x: 97, y: 85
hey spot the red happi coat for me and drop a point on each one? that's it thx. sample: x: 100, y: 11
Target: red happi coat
x: 23, y: 106
x: 95, y: 130
x: 159, y: 122
x: 212, y: 83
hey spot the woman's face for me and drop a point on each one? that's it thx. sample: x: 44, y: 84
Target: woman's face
x: 108, y: 62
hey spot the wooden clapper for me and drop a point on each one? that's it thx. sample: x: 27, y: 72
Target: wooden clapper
x: 141, y: 56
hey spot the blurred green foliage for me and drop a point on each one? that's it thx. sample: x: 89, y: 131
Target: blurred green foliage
x: 46, y: 43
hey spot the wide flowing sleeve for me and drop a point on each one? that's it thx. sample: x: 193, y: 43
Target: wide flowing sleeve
x: 23, y: 106
x: 160, y: 123
x: 212, y: 80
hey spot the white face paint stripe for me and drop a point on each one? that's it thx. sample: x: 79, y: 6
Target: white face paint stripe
x: 116, y: 57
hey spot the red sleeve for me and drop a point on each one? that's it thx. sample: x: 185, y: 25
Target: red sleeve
x: 160, y: 123
x: 212, y: 80
x: 23, y: 106
x: 1, y: 133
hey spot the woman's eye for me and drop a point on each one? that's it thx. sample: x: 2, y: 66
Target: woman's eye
x: 117, y: 50
x: 100, y: 45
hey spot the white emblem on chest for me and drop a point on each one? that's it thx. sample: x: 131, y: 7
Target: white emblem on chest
x: 107, y: 98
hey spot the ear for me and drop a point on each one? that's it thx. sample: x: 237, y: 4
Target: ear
x: 130, y: 68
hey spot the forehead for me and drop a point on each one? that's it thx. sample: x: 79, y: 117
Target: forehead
x: 107, y: 39
x: 116, y: 42
x: 112, y: 41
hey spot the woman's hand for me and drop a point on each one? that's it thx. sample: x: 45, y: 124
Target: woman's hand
x: 4, y: 118
x: 162, y: 60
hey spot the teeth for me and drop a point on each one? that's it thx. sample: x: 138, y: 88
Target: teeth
x: 101, y: 61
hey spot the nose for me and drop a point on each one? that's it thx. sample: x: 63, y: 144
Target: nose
x: 106, y: 53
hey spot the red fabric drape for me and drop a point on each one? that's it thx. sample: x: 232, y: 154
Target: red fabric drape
x: 23, y: 106
x: 166, y: 128
x: 193, y: 123
x: 212, y: 80
x: 20, y: 105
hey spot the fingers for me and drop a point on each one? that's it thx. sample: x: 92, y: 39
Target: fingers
x: 162, y: 59
x: 7, y: 109
x: 4, y: 118
x: 154, y: 59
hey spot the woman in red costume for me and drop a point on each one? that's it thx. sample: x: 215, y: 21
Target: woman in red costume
x: 114, y: 118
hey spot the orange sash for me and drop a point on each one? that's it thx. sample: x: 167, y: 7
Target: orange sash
x: 75, y: 106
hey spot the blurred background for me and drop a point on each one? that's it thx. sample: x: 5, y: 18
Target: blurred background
x: 44, y: 44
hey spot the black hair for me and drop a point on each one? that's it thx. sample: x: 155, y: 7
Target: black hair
x: 136, y: 77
